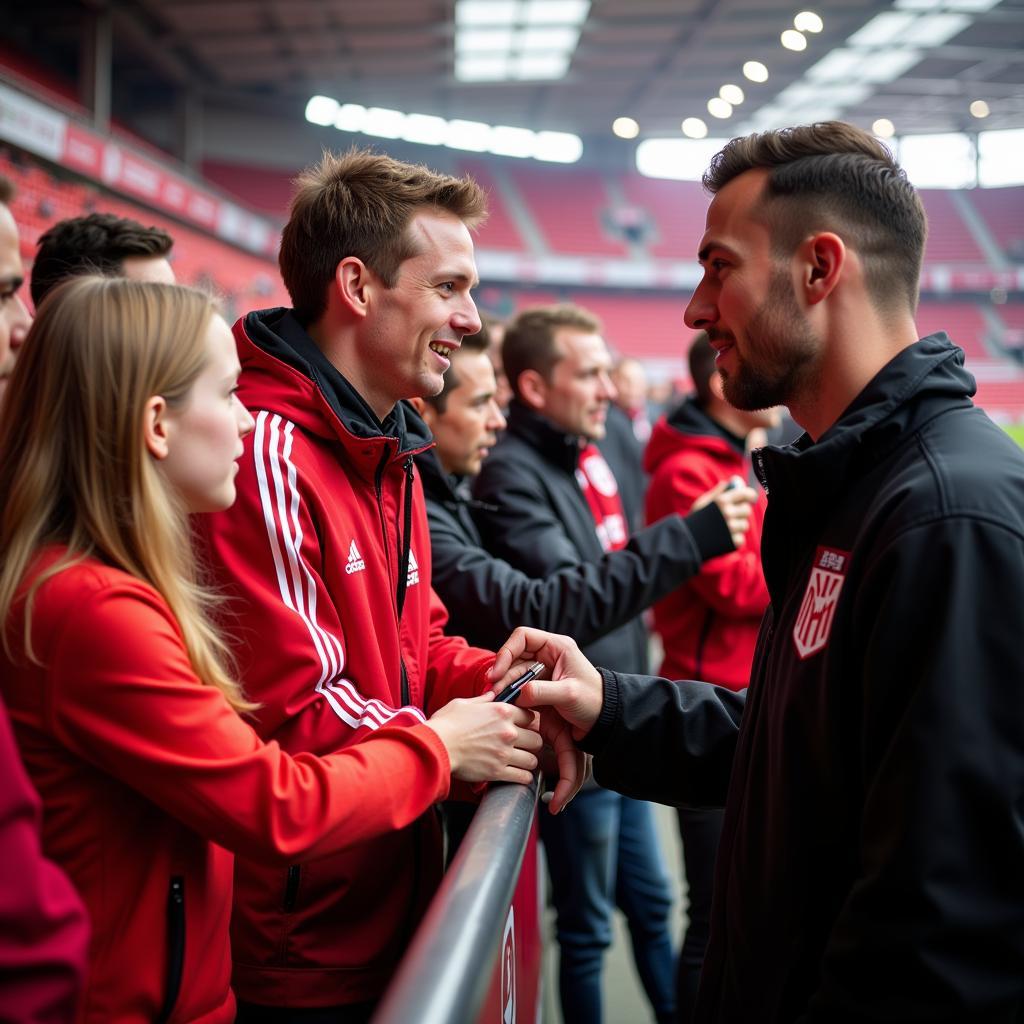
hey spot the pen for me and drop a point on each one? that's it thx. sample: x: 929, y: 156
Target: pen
x: 511, y: 692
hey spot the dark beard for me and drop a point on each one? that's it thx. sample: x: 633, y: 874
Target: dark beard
x: 785, y: 350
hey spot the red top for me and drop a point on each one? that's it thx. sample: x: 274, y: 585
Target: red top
x: 148, y: 778
x: 43, y: 927
x: 709, y: 625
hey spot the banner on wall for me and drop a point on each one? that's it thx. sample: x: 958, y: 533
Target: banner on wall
x: 38, y: 128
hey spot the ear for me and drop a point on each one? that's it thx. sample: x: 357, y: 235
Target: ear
x: 533, y: 389
x: 715, y: 386
x: 155, y: 427
x: 823, y: 257
x: 353, y: 283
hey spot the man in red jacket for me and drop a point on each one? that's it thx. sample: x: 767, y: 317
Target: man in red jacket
x: 709, y: 625
x: 325, y: 556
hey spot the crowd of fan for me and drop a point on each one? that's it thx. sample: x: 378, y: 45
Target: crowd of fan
x: 259, y: 588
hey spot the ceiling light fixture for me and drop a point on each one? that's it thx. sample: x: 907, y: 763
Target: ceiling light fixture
x: 694, y: 128
x: 755, y: 71
x: 884, y: 128
x: 625, y: 128
x: 979, y: 109
x: 808, y: 21
x: 793, y: 40
x: 717, y: 107
x: 731, y: 94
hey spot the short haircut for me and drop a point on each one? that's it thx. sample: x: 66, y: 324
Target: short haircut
x: 832, y: 176
x: 6, y: 190
x: 702, y: 366
x: 95, y: 244
x: 530, y: 339
x: 471, y: 343
x: 360, y: 204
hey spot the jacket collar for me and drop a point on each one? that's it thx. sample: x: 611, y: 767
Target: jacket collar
x: 286, y: 372
x: 537, y: 431
x: 804, y: 479
x: 690, y: 417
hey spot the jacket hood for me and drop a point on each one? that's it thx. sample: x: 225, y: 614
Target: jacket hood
x: 689, y: 427
x: 285, y: 372
x: 925, y: 379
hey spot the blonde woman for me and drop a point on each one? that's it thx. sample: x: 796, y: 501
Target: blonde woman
x: 120, y: 420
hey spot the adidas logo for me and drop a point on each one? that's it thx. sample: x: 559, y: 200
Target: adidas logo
x: 414, y: 571
x: 355, y: 561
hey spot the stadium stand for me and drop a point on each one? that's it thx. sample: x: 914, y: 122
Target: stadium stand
x: 243, y: 281
x: 1002, y: 210
x: 676, y: 211
x: 962, y: 321
x: 949, y: 239
x: 568, y: 207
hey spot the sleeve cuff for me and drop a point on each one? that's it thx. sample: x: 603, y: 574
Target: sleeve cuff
x: 710, y: 533
x: 595, y: 740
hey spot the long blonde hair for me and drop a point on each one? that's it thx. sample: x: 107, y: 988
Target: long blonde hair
x: 74, y: 468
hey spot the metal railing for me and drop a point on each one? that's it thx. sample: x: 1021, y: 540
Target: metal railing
x: 445, y: 973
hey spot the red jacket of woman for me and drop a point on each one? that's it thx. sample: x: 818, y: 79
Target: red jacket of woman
x: 148, y: 778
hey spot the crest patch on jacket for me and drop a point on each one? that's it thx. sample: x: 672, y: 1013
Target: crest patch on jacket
x: 814, y: 620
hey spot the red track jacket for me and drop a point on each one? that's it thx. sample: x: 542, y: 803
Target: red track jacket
x: 148, y: 778
x: 329, y: 507
x: 709, y: 625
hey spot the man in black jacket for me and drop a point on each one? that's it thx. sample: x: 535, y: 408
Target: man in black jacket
x: 549, y: 503
x: 872, y: 857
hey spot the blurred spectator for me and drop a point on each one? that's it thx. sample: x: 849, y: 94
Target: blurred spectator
x: 495, y: 329
x: 630, y: 380
x: 708, y: 626
x: 14, y: 317
x: 100, y: 243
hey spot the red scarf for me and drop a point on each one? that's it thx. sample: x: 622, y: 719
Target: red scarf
x: 602, y: 493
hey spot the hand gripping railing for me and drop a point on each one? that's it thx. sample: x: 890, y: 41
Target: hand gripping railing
x: 445, y: 973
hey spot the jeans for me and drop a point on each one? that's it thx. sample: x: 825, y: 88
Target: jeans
x: 700, y: 831
x: 603, y: 850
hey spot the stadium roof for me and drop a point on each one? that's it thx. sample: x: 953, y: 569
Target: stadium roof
x: 656, y: 61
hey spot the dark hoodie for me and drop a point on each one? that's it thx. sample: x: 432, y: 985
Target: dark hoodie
x: 872, y: 858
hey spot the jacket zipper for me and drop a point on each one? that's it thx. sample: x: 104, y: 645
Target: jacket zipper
x: 378, y: 489
x: 291, y: 888
x: 175, y: 947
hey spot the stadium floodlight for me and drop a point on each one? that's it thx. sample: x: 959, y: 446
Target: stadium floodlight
x: 540, y: 66
x: 473, y: 136
x: 490, y: 68
x: 508, y: 141
x: 755, y: 71
x: 553, y: 39
x: 1001, y: 158
x: 321, y: 110
x: 888, y: 65
x: 483, y: 40
x: 808, y: 21
x: 555, y: 12
x: 425, y: 129
x: 625, y: 127
x: 938, y: 161
x: 884, y: 128
x: 679, y: 159
x: 384, y: 123
x: 694, y: 128
x: 935, y: 29
x: 558, y: 147
x: 838, y: 65
x: 731, y: 94
x: 486, y: 12
x: 793, y: 40
x: 717, y: 107
x: 882, y: 29
x: 351, y: 117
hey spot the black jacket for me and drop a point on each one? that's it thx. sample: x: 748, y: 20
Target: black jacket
x: 872, y: 858
x: 539, y: 520
x: 487, y: 597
